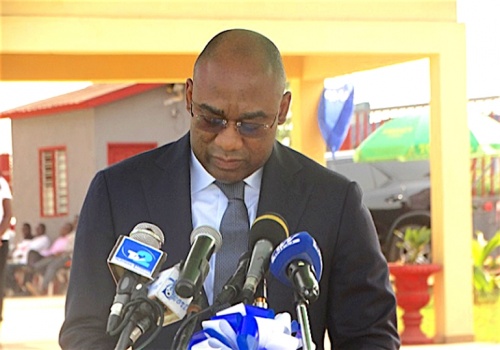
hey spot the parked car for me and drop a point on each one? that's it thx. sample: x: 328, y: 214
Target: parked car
x: 398, y: 195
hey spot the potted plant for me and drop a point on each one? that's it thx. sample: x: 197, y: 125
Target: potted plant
x: 486, y: 275
x: 411, y: 274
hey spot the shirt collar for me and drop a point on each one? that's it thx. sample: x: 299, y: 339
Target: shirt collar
x: 200, y: 178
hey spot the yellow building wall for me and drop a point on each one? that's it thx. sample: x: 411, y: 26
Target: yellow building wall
x: 158, y: 40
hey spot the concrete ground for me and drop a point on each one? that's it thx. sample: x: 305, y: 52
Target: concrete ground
x: 32, y: 323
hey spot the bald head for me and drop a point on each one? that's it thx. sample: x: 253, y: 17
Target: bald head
x: 244, y: 45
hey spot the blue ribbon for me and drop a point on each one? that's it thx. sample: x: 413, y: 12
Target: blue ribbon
x: 245, y: 327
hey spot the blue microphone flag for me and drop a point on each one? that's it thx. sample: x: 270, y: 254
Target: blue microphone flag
x: 300, y: 246
x: 135, y: 256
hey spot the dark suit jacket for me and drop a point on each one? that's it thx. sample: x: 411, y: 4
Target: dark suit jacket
x: 356, y: 304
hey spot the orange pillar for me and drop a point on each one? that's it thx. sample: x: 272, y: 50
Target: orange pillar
x: 306, y: 136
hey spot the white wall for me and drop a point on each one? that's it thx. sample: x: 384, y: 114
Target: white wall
x: 141, y: 118
x: 72, y: 130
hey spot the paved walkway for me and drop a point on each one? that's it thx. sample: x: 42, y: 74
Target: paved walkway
x: 33, y: 324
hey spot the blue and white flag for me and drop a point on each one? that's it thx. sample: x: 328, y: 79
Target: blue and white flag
x: 334, y: 114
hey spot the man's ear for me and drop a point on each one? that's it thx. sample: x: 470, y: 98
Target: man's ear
x: 284, y: 107
x: 189, y: 94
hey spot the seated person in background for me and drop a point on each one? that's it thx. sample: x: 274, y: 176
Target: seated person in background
x: 71, y: 236
x: 47, y: 262
x: 39, y: 243
x: 20, y: 271
x: 21, y: 249
x: 19, y: 258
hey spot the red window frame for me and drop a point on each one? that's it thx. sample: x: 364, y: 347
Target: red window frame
x: 53, y: 181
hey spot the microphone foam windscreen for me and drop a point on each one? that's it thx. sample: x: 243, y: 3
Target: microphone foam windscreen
x: 207, y: 231
x: 270, y: 226
x: 149, y: 234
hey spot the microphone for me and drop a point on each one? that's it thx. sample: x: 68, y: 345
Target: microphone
x: 266, y: 233
x: 297, y: 263
x: 140, y: 314
x: 162, y: 295
x: 228, y: 293
x: 205, y: 241
x: 132, y: 261
x: 234, y: 284
x: 163, y: 290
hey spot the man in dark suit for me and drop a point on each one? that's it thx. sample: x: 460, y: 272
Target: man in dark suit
x: 236, y: 99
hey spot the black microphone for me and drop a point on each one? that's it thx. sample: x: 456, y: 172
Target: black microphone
x: 205, y: 241
x: 228, y: 294
x: 234, y: 284
x: 133, y: 260
x: 266, y: 233
x: 147, y: 305
x: 141, y: 314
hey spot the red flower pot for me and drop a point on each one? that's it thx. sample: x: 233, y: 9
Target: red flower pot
x: 412, y: 294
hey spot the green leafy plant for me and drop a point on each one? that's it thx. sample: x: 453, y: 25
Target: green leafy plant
x: 486, y: 276
x: 414, y: 245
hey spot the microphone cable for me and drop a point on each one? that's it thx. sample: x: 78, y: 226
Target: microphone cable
x: 190, y: 321
x: 156, y: 317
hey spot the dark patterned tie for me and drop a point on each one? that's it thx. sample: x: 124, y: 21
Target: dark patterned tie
x: 234, y: 229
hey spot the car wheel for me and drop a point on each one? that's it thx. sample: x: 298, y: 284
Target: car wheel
x: 412, y: 219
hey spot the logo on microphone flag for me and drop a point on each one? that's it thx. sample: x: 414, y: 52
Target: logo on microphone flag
x: 302, y: 246
x: 135, y: 256
x: 163, y: 288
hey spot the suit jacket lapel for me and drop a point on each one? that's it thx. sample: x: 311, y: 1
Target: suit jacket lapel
x: 279, y: 193
x: 279, y: 189
x: 168, y: 195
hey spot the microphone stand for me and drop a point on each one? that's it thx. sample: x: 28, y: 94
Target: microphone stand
x: 261, y: 295
x: 305, y: 329
x: 189, y: 324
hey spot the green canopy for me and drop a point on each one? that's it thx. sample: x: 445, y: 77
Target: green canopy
x: 407, y: 138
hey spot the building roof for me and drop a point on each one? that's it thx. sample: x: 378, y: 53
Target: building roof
x: 92, y: 96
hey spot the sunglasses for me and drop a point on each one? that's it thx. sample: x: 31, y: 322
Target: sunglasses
x: 216, y: 125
